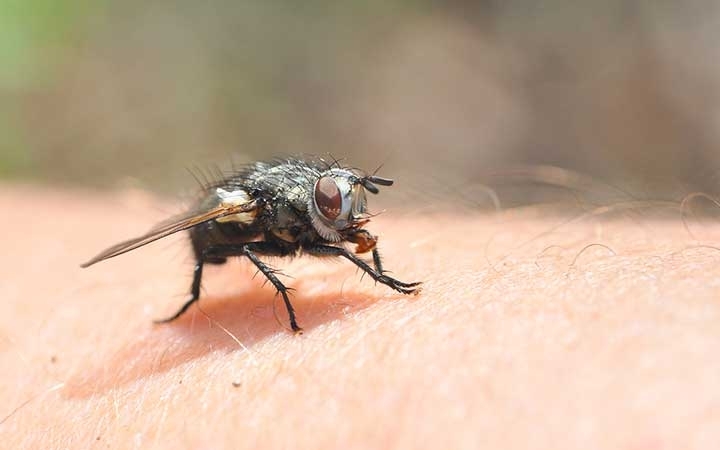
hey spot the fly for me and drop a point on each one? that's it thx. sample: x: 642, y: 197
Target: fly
x: 282, y: 207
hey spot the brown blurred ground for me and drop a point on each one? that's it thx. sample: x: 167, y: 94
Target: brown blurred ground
x: 130, y: 93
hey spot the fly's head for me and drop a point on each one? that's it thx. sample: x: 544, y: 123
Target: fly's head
x: 338, y: 205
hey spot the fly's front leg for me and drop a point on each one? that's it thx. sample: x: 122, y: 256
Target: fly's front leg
x: 377, y: 261
x: 376, y: 274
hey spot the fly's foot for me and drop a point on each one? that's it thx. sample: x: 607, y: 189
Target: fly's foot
x: 179, y: 312
x: 405, y: 288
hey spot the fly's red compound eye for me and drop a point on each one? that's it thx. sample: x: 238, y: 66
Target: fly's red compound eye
x: 328, y: 198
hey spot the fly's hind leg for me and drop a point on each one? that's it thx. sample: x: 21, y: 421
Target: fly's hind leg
x: 194, y: 293
x: 219, y: 253
x: 194, y: 287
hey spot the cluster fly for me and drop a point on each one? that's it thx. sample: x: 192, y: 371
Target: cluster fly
x: 283, y: 207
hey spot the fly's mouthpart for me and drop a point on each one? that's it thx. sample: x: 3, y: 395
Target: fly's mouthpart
x: 360, y: 221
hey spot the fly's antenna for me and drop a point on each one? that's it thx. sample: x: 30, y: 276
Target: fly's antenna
x: 370, y: 181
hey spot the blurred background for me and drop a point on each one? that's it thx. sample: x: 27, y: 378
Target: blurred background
x: 107, y: 93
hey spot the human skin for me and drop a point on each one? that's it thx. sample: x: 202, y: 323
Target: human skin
x: 519, y: 339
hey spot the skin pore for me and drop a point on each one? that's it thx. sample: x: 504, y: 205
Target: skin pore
x: 531, y: 331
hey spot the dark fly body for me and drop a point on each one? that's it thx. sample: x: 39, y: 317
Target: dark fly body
x: 277, y: 208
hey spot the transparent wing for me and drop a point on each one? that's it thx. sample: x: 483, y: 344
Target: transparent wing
x: 173, y: 225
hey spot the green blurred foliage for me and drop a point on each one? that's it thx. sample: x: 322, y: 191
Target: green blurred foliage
x: 33, y: 37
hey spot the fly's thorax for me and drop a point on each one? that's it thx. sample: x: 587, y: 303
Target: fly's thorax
x: 286, y: 222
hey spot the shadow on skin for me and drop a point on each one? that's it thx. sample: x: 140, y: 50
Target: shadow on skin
x: 249, y: 317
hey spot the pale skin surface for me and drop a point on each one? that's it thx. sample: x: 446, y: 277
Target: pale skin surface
x: 538, y: 351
